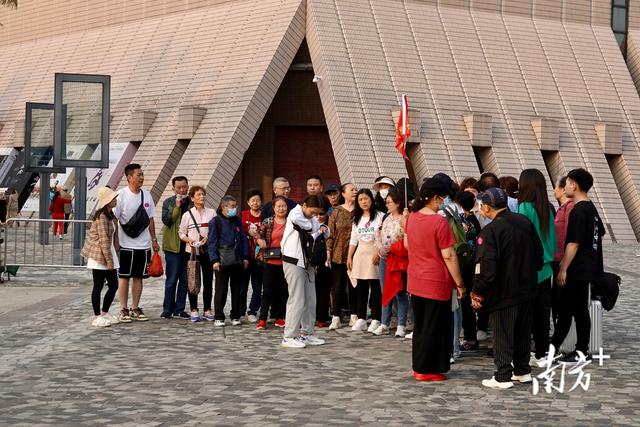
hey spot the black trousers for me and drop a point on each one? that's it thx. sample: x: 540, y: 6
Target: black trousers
x: 512, y: 340
x: 469, y: 320
x: 541, y: 318
x: 341, y: 289
x: 225, y: 278
x: 324, y: 278
x: 274, y: 292
x: 555, y: 294
x: 431, y: 343
x: 573, y: 303
x: 363, y: 299
x: 206, y: 270
x: 99, y: 277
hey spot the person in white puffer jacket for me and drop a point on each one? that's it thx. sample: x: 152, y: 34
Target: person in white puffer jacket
x: 301, y: 275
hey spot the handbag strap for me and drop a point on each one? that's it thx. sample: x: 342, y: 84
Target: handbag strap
x: 196, y: 224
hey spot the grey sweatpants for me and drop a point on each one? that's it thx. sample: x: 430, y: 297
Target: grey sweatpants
x: 301, y: 305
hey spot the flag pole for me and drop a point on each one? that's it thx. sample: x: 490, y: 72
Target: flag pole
x: 406, y: 198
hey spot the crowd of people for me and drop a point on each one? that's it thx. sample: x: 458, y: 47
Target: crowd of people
x: 449, y: 258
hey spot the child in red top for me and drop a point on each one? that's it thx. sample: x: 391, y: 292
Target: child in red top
x: 57, y: 212
x: 251, y: 219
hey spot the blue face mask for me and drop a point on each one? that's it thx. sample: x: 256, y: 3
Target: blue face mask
x: 445, y: 203
x: 231, y: 212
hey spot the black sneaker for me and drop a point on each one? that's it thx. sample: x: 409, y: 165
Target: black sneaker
x: 183, y: 315
x: 166, y: 315
x: 469, y: 347
x: 574, y: 357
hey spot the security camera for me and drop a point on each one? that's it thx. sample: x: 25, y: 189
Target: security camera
x: 316, y: 79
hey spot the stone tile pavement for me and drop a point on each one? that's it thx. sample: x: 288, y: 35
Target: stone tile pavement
x: 56, y: 369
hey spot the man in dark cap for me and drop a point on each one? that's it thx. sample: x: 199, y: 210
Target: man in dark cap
x: 333, y: 194
x: 510, y: 255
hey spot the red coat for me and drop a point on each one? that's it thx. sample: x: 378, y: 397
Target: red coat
x: 397, y: 263
x: 57, y: 205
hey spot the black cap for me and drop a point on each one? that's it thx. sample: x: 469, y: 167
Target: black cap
x: 494, y: 197
x: 446, y: 180
x: 332, y: 188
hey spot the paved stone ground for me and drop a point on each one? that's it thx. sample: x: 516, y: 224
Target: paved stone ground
x: 56, y: 369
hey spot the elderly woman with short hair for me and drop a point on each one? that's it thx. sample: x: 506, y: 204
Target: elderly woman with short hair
x: 229, y: 254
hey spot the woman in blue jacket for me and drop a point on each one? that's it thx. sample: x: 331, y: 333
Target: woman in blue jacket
x: 229, y: 254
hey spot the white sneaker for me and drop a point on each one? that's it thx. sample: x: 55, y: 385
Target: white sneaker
x: 218, y: 323
x: 492, y: 383
x: 335, y: 323
x: 311, y: 340
x: 400, y: 332
x: 111, y: 318
x: 252, y: 318
x: 101, y: 322
x: 481, y: 335
x: 373, y: 326
x: 537, y: 363
x: 409, y: 336
x: 292, y: 343
x: 381, y: 330
x: 236, y: 322
x: 522, y: 379
x: 360, y: 325
x: 353, y: 319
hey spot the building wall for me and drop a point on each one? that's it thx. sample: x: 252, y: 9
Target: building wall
x: 40, y: 19
x: 509, y: 61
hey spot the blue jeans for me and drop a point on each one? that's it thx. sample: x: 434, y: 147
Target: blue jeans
x: 401, y: 300
x: 176, y: 277
x: 254, y: 274
x: 457, y: 327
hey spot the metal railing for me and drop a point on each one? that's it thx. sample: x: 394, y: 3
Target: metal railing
x: 31, y: 243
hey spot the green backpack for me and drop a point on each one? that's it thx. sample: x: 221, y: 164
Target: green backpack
x: 462, y: 247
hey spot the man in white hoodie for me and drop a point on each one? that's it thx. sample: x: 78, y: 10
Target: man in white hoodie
x: 300, y: 274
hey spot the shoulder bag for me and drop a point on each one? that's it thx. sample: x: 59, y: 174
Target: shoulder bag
x: 138, y: 222
x: 204, y: 250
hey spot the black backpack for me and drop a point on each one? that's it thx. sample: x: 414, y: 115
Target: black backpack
x: 606, y: 290
x: 138, y: 222
x: 315, y: 250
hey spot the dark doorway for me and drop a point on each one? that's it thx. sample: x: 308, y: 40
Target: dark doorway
x: 301, y: 151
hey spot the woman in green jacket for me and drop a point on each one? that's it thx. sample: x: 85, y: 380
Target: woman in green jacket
x: 533, y: 203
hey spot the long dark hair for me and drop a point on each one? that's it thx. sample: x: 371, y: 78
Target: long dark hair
x: 357, y: 210
x: 533, y: 189
x: 104, y: 210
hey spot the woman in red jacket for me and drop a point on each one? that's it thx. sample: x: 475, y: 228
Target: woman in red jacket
x: 57, y: 212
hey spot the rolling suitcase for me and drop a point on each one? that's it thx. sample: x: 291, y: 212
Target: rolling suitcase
x: 595, y: 338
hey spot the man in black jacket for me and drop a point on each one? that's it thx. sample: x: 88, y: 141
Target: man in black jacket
x: 509, y: 255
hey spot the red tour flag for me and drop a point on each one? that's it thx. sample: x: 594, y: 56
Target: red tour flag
x: 403, y: 130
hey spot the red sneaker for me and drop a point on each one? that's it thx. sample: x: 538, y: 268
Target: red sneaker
x: 321, y: 324
x: 279, y: 323
x: 261, y: 325
x: 428, y: 377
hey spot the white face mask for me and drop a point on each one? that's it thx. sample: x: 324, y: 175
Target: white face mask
x: 384, y: 193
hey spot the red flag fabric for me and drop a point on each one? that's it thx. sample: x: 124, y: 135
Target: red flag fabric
x: 397, y: 263
x: 403, y: 130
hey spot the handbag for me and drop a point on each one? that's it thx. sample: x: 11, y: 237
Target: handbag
x: 155, y: 267
x: 193, y: 273
x: 138, y: 222
x: 227, y: 254
x: 204, y: 250
x: 272, y: 253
